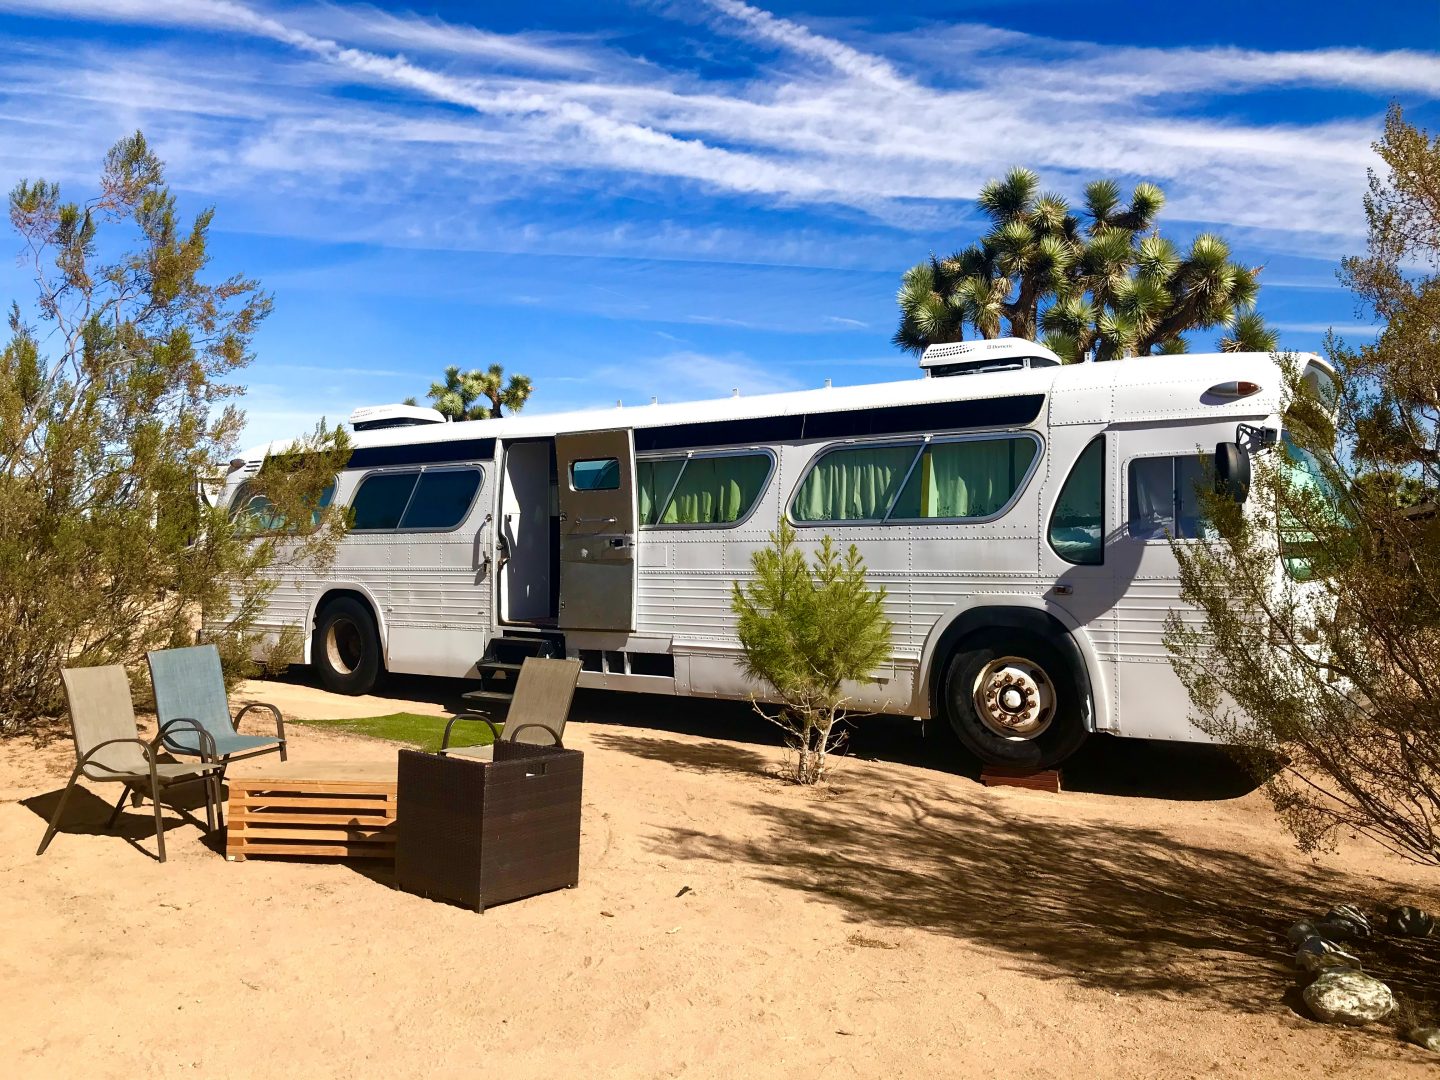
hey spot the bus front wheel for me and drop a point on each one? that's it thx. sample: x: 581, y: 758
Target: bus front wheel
x: 1012, y: 700
x: 346, y: 647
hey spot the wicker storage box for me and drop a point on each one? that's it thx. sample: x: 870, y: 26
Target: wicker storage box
x: 483, y: 832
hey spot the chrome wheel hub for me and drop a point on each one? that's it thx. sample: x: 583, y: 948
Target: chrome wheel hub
x: 1014, y: 698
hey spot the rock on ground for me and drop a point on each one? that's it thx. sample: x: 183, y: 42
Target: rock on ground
x: 1408, y: 921
x: 1428, y: 1037
x: 1349, y: 997
x: 1344, y: 922
x: 1316, y: 954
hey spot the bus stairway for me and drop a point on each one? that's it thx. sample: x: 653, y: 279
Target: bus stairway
x: 500, y: 667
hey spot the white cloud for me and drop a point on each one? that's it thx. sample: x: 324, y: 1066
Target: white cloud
x: 902, y: 127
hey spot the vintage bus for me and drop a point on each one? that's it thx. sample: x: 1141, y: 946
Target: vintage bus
x: 1017, y: 510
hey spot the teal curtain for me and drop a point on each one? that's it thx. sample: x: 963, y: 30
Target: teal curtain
x: 716, y: 490
x: 969, y: 479
x: 653, y: 480
x: 853, y: 485
x: 1077, y: 524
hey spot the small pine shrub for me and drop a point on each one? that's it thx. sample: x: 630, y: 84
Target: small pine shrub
x: 807, y: 630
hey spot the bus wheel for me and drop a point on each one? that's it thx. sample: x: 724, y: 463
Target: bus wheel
x: 1013, y: 701
x: 346, y: 648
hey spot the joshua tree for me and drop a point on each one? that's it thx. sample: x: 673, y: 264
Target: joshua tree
x: 1107, y: 285
x: 463, y: 396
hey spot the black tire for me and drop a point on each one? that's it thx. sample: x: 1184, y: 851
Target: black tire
x: 346, y: 647
x: 1047, y: 748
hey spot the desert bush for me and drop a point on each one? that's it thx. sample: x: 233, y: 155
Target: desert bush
x: 115, y: 407
x: 1334, y: 664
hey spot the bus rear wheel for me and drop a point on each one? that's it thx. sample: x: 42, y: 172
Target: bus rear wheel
x: 346, y: 647
x: 1012, y: 700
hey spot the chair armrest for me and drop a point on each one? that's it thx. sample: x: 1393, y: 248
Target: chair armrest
x: 279, y: 720
x: 145, y: 747
x: 478, y: 717
x: 549, y: 731
x: 207, y: 741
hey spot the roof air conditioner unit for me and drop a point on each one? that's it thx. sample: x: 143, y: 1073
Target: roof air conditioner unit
x: 976, y: 357
x: 375, y: 417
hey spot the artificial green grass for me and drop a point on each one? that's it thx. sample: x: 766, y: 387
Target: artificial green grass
x: 412, y: 729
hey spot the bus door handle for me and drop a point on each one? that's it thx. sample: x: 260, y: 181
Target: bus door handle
x: 620, y: 542
x: 595, y: 521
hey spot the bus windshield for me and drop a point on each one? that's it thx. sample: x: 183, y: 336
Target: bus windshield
x: 1299, y: 550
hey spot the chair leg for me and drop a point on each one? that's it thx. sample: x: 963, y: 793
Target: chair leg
x: 115, y: 814
x: 210, y: 801
x: 159, y: 821
x: 59, y: 810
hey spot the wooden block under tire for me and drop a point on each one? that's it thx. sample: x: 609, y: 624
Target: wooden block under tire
x: 1000, y: 776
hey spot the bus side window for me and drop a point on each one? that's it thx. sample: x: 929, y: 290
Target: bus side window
x: 716, y: 490
x: 381, y: 499
x: 595, y: 474
x: 1077, y: 524
x: 442, y: 499
x: 254, y: 512
x: 1164, y: 501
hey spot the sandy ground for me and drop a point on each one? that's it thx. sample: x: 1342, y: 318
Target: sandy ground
x: 904, y: 922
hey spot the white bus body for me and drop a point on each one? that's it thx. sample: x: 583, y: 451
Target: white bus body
x: 647, y: 606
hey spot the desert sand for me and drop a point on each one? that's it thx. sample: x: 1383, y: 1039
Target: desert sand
x: 902, y: 922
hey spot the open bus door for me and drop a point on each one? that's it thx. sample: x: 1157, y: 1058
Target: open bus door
x: 596, y: 481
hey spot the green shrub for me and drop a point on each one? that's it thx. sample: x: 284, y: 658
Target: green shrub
x: 807, y: 630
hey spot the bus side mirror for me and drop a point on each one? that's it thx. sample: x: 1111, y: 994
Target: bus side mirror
x: 1232, y: 471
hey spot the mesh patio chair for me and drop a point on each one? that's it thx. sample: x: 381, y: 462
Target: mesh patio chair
x: 538, y: 710
x: 108, y: 749
x: 190, y: 686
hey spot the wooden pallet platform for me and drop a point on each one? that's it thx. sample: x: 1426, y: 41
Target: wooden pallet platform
x: 998, y: 776
x: 313, y: 808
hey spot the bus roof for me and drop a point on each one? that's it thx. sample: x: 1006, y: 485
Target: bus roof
x: 1137, y: 387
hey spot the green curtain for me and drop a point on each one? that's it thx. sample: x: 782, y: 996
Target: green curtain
x: 970, y: 479
x: 716, y: 490
x: 654, y: 479
x: 853, y: 485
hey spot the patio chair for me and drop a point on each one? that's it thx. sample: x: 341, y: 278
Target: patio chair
x: 189, y: 685
x: 108, y: 749
x: 538, y: 710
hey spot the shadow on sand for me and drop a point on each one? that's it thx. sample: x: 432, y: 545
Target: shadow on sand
x: 1105, y: 765
x: 1117, y: 906
x: 87, y: 813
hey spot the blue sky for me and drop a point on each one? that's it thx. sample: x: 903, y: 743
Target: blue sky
x: 627, y: 200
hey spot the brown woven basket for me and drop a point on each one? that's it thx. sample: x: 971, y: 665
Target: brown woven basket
x: 484, y: 832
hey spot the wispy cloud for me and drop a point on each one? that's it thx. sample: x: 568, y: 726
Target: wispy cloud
x: 880, y: 125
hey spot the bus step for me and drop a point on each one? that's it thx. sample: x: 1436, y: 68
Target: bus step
x: 486, y: 695
x: 498, y: 665
x: 513, y: 649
